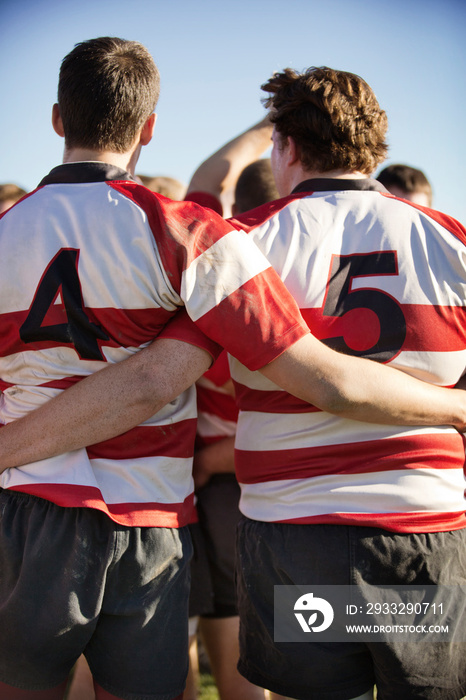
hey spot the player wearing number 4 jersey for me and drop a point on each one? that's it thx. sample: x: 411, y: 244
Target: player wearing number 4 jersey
x: 93, y: 267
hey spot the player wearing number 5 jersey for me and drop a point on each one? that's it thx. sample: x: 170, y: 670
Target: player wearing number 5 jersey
x: 329, y: 500
x: 373, y: 277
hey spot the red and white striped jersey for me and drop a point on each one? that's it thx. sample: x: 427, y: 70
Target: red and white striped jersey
x: 373, y: 276
x: 216, y: 405
x: 217, y: 413
x: 93, y: 266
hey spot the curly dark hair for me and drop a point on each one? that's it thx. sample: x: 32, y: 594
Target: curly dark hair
x: 333, y: 117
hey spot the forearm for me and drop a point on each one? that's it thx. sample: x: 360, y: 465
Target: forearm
x: 363, y: 390
x: 216, y: 458
x: 105, y: 404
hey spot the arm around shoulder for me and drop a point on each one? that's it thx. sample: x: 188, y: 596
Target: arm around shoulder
x: 105, y: 404
x: 363, y: 390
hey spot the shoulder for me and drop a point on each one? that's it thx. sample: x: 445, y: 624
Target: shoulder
x: 448, y: 223
x: 256, y: 217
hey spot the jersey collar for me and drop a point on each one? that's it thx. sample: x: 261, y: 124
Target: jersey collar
x: 333, y: 184
x: 85, y: 172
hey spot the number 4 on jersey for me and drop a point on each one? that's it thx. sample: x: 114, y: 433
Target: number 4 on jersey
x: 61, y: 277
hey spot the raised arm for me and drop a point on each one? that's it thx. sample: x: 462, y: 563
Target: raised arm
x: 219, y: 173
x: 123, y: 395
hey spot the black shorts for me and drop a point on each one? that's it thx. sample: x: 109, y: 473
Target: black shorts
x: 72, y: 581
x: 282, y: 554
x: 201, y: 596
x: 217, y: 506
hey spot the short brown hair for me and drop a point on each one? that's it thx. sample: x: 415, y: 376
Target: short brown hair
x: 107, y: 89
x: 333, y: 117
x: 405, y: 178
x: 255, y: 186
x: 11, y: 192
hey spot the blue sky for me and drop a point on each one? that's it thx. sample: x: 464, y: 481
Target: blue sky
x: 213, y: 57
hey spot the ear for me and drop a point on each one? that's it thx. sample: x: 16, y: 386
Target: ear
x: 147, y: 130
x: 293, y: 154
x: 57, y: 121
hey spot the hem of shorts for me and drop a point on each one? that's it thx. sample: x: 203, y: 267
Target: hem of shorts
x: 139, y: 696
x: 255, y: 677
x: 226, y: 612
x: 457, y: 693
x: 49, y: 685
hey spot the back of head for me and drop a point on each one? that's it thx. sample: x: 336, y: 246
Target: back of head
x: 406, y: 181
x: 333, y: 117
x: 255, y: 186
x: 107, y: 89
x: 167, y: 186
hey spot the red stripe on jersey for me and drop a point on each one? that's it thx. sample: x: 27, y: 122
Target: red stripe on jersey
x: 5, y: 385
x: 274, y: 334
x: 202, y: 441
x: 217, y: 404
x: 428, y: 328
x: 130, y: 514
x: 219, y: 373
x: 173, y: 440
x: 409, y: 452
x: 182, y: 230
x: 64, y: 383
x: 394, y: 522
x: 270, y: 401
x: 125, y: 328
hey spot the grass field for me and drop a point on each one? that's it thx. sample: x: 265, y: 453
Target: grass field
x: 207, y: 690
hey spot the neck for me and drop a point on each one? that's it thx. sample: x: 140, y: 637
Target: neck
x: 126, y: 161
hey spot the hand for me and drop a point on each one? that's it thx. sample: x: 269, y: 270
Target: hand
x: 216, y: 458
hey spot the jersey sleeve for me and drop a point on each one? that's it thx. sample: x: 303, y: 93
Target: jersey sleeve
x: 234, y: 296
x: 181, y: 327
x: 227, y: 285
x: 219, y: 373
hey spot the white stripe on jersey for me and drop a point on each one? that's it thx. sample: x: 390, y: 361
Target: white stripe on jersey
x: 209, y: 426
x: 107, y: 475
x: 442, y: 368
x: 418, y: 490
x: 348, y: 223
x: 34, y: 367
x: 151, y: 478
x: 88, y: 218
x: 263, y: 432
x: 215, y: 263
